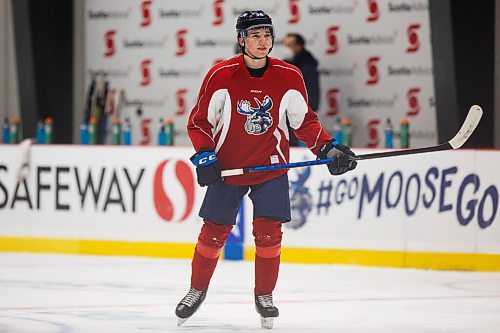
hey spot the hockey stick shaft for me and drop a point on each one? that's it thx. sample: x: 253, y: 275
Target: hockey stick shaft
x: 468, y: 127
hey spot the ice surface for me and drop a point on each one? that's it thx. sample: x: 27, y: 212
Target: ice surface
x: 58, y: 293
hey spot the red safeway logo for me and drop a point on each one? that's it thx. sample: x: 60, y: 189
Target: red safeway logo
x: 146, y: 12
x: 374, y: 13
x: 181, y: 42
x: 109, y: 42
x: 413, y: 103
x: 293, y: 6
x: 331, y: 37
x: 332, y: 99
x: 371, y: 66
x: 145, y: 72
x: 414, y: 41
x: 219, y: 12
x: 373, y: 136
x: 164, y: 196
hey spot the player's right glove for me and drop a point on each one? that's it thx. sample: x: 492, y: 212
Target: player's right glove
x: 342, y: 157
x: 208, y: 169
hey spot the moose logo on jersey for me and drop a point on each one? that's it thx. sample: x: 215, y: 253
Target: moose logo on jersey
x: 258, y: 119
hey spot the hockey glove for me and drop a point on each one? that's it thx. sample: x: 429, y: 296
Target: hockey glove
x: 342, y: 161
x: 208, y: 170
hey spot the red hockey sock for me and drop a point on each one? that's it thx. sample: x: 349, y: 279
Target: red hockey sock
x: 267, y: 234
x: 210, y: 242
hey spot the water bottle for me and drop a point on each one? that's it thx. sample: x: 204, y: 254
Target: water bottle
x: 337, y: 130
x: 14, y: 130
x: 84, y: 133
x: 6, y: 130
x: 115, y: 131
x: 40, y: 132
x: 169, y: 130
x: 127, y: 132
x: 162, y: 135
x: 404, y: 135
x: 346, y: 132
x: 48, y: 126
x: 92, y: 131
x: 389, y: 134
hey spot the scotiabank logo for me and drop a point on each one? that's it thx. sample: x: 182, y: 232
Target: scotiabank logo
x: 180, y: 97
x: 145, y: 72
x: 332, y: 101
x: 413, y: 103
x: 374, y: 13
x: 181, y: 42
x: 146, y: 12
x: 219, y: 12
x: 293, y: 6
x: 331, y: 37
x: 413, y: 39
x: 109, y: 43
x: 373, y: 137
x: 373, y: 75
x: 174, y: 190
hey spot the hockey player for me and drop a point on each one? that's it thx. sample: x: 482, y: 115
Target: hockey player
x: 239, y: 120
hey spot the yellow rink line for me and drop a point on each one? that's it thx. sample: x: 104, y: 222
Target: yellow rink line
x: 426, y: 260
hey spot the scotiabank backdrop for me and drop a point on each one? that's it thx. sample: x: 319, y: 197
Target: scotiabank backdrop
x: 375, y: 58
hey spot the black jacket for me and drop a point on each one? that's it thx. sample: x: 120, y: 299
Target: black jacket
x: 308, y: 65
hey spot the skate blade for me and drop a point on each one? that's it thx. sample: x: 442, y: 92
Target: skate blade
x: 267, y: 322
x: 181, y: 321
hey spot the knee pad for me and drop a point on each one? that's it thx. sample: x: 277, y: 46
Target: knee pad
x: 212, y: 238
x: 267, y: 235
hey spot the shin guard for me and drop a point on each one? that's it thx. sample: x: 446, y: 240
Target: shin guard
x: 267, y: 235
x: 210, y: 242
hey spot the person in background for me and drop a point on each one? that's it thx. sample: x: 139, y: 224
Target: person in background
x: 299, y: 56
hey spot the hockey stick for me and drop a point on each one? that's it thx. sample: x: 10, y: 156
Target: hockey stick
x: 468, y: 127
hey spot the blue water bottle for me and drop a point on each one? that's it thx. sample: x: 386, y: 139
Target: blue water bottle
x: 162, y: 134
x: 40, y: 132
x: 6, y: 130
x: 84, y: 133
x: 127, y: 132
x: 389, y: 134
x: 337, y: 130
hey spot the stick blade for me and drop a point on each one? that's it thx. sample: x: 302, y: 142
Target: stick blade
x: 468, y: 127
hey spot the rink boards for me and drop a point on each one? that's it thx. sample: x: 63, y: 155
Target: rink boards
x: 437, y: 210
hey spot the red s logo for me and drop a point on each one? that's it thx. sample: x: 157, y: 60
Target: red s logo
x: 331, y: 36
x: 331, y: 98
x: 413, y: 103
x: 219, y: 13
x: 373, y: 137
x: 146, y: 12
x: 180, y: 97
x: 181, y: 42
x: 294, y: 11
x: 165, y: 208
x: 373, y: 9
x: 109, y: 41
x: 145, y: 72
x: 413, y: 39
x: 371, y: 65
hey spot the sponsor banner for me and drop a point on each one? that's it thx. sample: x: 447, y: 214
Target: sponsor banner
x: 375, y: 59
x: 440, y: 202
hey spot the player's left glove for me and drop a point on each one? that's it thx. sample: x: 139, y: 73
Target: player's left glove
x: 342, y: 157
x: 208, y: 169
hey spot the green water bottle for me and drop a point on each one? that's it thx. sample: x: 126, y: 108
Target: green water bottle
x: 115, y: 131
x: 346, y: 132
x: 404, y: 134
x: 14, y: 130
x: 48, y: 126
x: 169, y: 130
x: 92, y: 131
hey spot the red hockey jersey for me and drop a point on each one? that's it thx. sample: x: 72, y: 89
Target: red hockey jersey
x: 243, y: 118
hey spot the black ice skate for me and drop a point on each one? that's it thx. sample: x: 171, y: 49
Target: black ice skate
x: 189, y: 304
x: 265, y: 307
